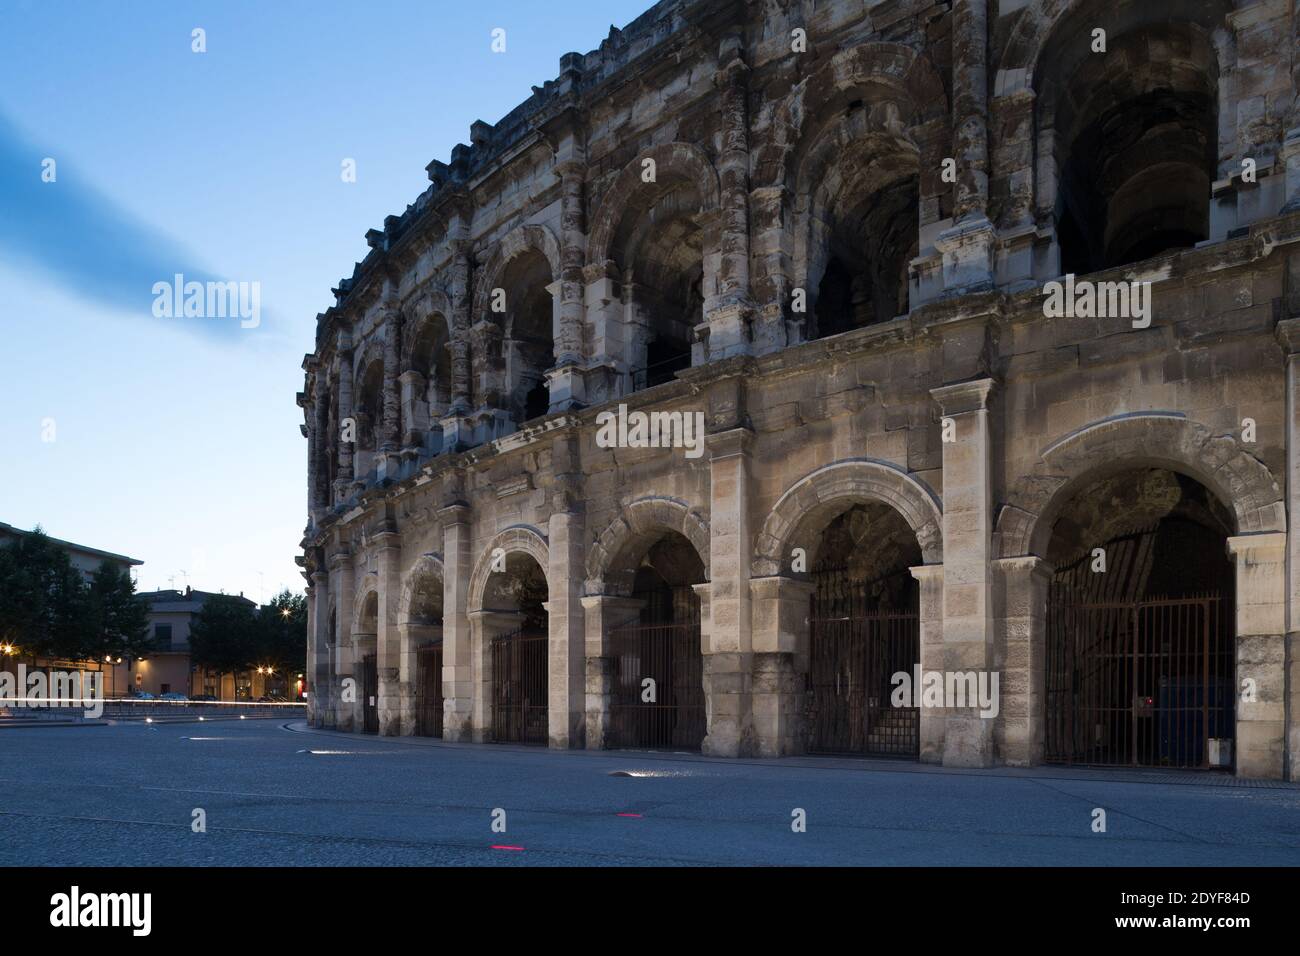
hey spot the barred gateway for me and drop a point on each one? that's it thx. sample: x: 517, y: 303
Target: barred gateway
x: 830, y: 228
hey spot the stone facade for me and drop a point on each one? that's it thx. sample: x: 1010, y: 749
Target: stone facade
x: 828, y: 227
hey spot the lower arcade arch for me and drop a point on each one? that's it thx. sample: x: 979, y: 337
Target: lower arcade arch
x: 515, y: 641
x: 1140, y: 649
x: 656, y: 656
x: 422, y: 648
x: 863, y: 629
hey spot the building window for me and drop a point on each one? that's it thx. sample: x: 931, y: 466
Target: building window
x: 162, y: 636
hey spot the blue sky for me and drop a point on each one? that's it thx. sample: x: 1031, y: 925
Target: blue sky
x: 175, y: 440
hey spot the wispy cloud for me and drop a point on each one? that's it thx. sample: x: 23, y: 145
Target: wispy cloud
x: 88, y: 244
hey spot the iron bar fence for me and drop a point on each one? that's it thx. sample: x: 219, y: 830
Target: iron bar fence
x: 1139, y: 683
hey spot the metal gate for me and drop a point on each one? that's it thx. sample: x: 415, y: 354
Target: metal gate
x: 369, y: 694
x: 851, y: 662
x: 519, y: 687
x: 669, y: 713
x: 1145, y: 683
x: 428, y: 690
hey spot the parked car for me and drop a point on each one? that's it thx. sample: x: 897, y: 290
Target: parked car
x: 203, y: 697
x: 144, y: 695
x: 173, y: 695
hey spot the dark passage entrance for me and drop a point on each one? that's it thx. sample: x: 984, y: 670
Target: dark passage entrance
x: 657, y: 699
x: 1140, y: 659
x: 369, y: 686
x: 864, y: 627
x: 519, y: 706
x: 428, y: 690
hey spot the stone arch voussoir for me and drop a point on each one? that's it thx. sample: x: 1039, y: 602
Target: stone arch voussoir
x: 836, y: 486
x: 425, y: 564
x: 1170, y: 440
x: 517, y: 539
x: 613, y: 559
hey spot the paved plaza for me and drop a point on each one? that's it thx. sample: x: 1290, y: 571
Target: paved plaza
x: 274, y: 793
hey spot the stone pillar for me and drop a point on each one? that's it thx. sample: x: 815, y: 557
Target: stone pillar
x: 602, y: 613
x: 318, y: 695
x: 728, y: 667
x: 967, y: 247
x: 389, y: 546
x: 406, y: 677
x: 774, y: 325
x: 609, y: 363
x: 566, y: 644
x: 342, y: 586
x: 461, y: 371
x: 1020, y: 612
x: 929, y: 579
x: 390, y: 430
x: 1291, y: 138
x: 967, y: 574
x: 728, y: 320
x: 573, y: 256
x: 457, y: 671
x: 1261, y: 653
x: 343, y: 478
x: 779, y: 607
x: 323, y: 441
x: 415, y: 410
x: 1288, y: 336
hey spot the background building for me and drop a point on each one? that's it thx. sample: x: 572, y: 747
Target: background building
x: 830, y: 230
x: 85, y: 559
x: 168, y: 667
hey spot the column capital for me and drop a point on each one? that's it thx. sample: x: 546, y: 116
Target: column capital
x: 571, y: 168
x: 455, y: 514
x: 1287, y: 333
x: 1031, y: 563
x: 591, y: 602
x: 927, y: 573
x: 1258, y: 548
x: 388, y: 540
x: 781, y: 586
x: 339, y: 560
x: 729, y: 444
x: 962, y: 397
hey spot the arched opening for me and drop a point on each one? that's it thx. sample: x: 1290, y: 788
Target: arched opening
x: 369, y: 417
x: 424, y: 626
x: 529, y: 334
x: 1140, y: 652
x: 657, y: 675
x: 368, y: 668
x: 659, y: 254
x: 430, y: 395
x: 864, y: 627
x: 1131, y: 133
x: 516, y: 599
x: 862, y: 222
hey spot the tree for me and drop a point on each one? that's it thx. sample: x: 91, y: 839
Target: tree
x: 119, y: 616
x: 44, y: 604
x: 282, y: 633
x: 224, y: 635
